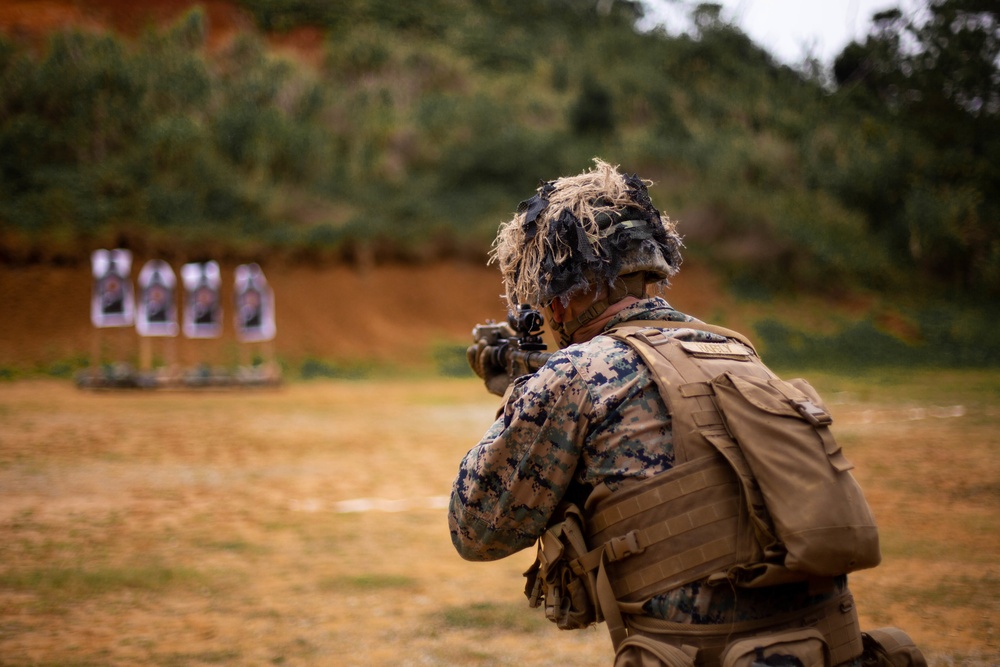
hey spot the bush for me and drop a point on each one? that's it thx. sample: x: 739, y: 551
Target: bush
x: 955, y: 336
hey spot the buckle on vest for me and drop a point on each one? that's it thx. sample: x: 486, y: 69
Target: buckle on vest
x: 812, y: 413
x: 624, y: 546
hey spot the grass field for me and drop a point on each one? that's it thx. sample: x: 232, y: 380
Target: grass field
x: 306, y: 525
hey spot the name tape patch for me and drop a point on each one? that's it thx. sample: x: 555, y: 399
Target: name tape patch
x: 716, y: 349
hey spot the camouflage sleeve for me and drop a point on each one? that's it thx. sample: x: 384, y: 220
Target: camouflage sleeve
x: 509, y: 484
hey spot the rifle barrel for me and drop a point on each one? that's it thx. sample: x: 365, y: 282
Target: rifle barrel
x: 525, y: 362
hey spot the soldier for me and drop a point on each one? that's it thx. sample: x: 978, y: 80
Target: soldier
x: 591, y: 425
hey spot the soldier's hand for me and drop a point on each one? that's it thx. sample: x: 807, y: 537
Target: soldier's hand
x: 483, y: 362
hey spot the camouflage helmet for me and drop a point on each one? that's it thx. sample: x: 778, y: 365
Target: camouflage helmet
x: 582, y: 232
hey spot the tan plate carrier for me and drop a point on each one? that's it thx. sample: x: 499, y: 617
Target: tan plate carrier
x: 703, y: 518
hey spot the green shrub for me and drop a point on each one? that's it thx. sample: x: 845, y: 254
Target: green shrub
x: 450, y: 360
x: 955, y: 336
x: 312, y: 369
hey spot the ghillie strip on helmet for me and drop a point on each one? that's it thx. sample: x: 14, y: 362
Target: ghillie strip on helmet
x: 582, y: 232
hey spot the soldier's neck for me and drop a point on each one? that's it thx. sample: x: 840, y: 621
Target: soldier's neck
x: 598, y: 324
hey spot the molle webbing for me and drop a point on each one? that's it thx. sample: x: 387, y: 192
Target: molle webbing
x: 676, y: 527
x: 836, y: 620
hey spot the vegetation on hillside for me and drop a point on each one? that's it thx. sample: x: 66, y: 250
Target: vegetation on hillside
x: 426, y: 122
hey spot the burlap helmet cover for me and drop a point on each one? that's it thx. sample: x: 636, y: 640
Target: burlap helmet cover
x: 583, y: 231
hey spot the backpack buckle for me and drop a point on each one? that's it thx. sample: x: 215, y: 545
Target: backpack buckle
x: 812, y: 413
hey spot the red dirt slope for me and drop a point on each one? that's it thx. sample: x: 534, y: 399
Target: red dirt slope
x: 33, y: 20
x: 389, y: 314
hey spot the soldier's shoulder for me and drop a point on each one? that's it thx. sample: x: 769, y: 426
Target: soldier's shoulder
x: 595, y: 347
x: 600, y: 357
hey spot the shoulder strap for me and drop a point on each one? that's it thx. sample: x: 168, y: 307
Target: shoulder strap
x: 683, y: 385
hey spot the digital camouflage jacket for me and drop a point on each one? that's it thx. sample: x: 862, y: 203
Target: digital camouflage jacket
x: 592, y: 414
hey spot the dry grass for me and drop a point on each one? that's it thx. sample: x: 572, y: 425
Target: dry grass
x: 215, y: 528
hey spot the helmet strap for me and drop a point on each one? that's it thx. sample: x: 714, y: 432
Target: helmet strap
x: 633, y: 284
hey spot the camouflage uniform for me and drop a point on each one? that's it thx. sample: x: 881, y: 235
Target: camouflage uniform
x: 592, y: 414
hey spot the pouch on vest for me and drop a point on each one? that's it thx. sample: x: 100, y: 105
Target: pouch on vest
x: 556, y: 579
x: 797, y: 648
x: 639, y: 651
x: 890, y: 647
x: 818, y: 510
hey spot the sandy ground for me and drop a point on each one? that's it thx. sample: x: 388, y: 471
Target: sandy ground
x: 306, y: 525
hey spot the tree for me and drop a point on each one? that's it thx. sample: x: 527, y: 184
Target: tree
x: 935, y: 76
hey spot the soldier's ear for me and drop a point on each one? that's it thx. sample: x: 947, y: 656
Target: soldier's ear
x: 558, y: 310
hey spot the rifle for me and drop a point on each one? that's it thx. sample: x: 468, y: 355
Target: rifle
x: 515, y: 345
